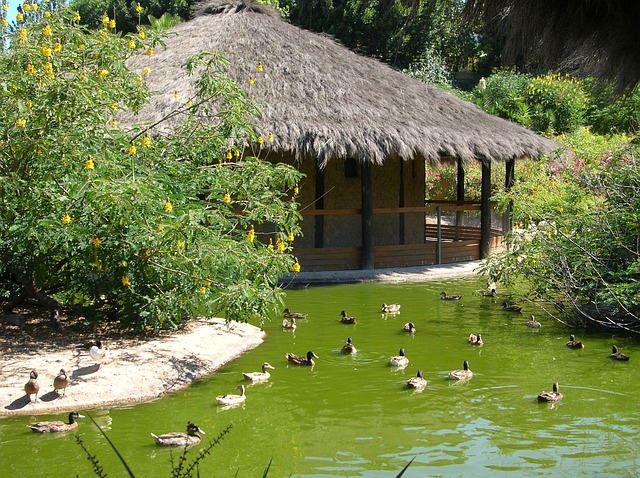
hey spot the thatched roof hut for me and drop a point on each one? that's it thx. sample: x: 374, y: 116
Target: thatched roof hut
x: 359, y: 130
x: 323, y: 101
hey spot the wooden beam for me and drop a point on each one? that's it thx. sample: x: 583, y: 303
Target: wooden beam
x: 319, y: 200
x: 367, y: 216
x: 485, y: 211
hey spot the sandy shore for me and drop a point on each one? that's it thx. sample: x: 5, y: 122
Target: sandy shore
x: 136, y: 371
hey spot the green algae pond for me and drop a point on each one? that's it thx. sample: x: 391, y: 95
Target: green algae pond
x: 351, y: 415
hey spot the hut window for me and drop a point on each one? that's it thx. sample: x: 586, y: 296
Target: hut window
x: 350, y: 168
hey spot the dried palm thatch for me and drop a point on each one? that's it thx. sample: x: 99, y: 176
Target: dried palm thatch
x: 322, y: 101
x: 590, y: 37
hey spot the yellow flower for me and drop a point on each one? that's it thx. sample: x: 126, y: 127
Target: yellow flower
x: 131, y: 45
x: 112, y: 24
x: 168, y: 207
x: 236, y: 153
x: 296, y: 190
x: 561, y: 209
x: 125, y: 281
x: 290, y: 237
x: 146, y: 70
x: 66, y: 219
x: 103, y: 32
x: 176, y: 95
x: 132, y: 149
x: 141, y: 34
x: 30, y: 69
x: 96, y: 242
x: 219, y: 165
x: 270, y: 137
x: 5, y: 7
x: 251, y: 80
x: 46, y: 51
x: 19, y: 17
x: 46, y: 31
x: 259, y: 67
x: 251, y: 234
x: 226, y: 198
x: 229, y: 155
x: 114, y: 107
x: 296, y: 266
x: 28, y: 104
x: 20, y: 122
x: 89, y: 163
x: 160, y: 227
x: 146, y: 141
x: 76, y: 17
x: 57, y: 47
x: 260, y: 139
x: 203, y: 290
x: 280, y: 245
x: 105, y: 19
x: 270, y: 246
x: 180, y: 246
x: 138, y: 8
x: 26, y: 7
x: 5, y: 23
x: 149, y: 51
x: 103, y: 73
x: 48, y: 69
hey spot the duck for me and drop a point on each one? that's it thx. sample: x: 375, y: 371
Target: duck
x: 475, y: 339
x: 491, y: 287
x: 409, y: 327
x: 57, y: 426
x: 293, y: 315
x: 98, y: 353
x: 61, y: 382
x: 399, y: 360
x: 289, y: 324
x: 572, y: 344
x: 418, y: 382
x: 259, y: 376
x: 463, y: 374
x: 533, y: 323
x: 348, y: 348
x: 615, y: 355
x: 553, y: 396
x: 300, y: 360
x: 444, y: 296
x: 179, y: 438
x: 232, y: 399
x: 506, y: 306
x: 345, y: 319
x: 390, y: 308
x: 32, y: 387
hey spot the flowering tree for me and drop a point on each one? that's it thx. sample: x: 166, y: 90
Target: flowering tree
x: 132, y: 225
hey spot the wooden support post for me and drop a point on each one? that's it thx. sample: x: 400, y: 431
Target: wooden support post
x: 485, y: 210
x: 459, y: 191
x: 367, y: 216
x: 401, y: 222
x: 319, y: 200
x: 509, y: 181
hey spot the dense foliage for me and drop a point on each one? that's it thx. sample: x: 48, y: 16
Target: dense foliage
x: 147, y: 228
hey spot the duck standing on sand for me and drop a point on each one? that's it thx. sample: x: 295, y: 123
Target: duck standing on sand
x: 552, y: 396
x: 293, y: 315
x: 32, y: 387
x: 573, y: 344
x: 390, y: 308
x: 345, y: 319
x: 231, y: 399
x: 259, y: 376
x: 615, y: 355
x: 57, y: 426
x: 418, y: 382
x: 463, y: 374
x: 61, y: 382
x: 348, y: 348
x: 180, y: 439
x: 399, y: 360
x: 98, y: 353
x: 300, y: 360
x: 444, y: 296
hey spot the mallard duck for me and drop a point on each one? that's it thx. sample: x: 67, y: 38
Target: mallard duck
x: 259, y: 376
x: 475, y: 339
x: 399, y: 360
x: 418, y: 382
x: 553, y: 396
x: 232, y: 399
x: 572, y: 344
x: 57, y: 426
x: 32, y: 387
x: 506, y: 306
x: 293, y: 315
x: 98, y: 353
x: 345, y: 319
x: 349, y: 348
x: 615, y: 355
x: 390, y: 308
x: 180, y: 439
x: 409, y: 327
x: 533, y: 323
x: 300, y: 360
x: 61, y: 382
x: 463, y: 374
x: 444, y: 296
x: 289, y: 323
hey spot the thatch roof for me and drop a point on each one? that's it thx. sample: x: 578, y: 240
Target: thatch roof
x: 324, y: 101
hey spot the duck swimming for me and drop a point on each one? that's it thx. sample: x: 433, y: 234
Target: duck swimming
x: 463, y: 374
x: 409, y: 327
x: 399, y: 360
x: 553, y: 396
x: 444, y: 296
x: 32, y: 387
x: 572, y: 344
x: 259, y: 376
x: 57, y: 426
x: 418, y: 382
x: 506, y: 306
x: 232, y: 399
x: 61, y: 382
x: 345, y: 319
x: 300, y: 360
x: 98, y: 353
x: 475, y: 339
x: 615, y: 355
x: 533, y: 323
x: 390, y: 308
x: 289, y: 324
x: 348, y: 348
x: 293, y: 315
x: 180, y: 439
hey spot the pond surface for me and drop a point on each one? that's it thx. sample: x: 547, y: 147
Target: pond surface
x: 350, y: 416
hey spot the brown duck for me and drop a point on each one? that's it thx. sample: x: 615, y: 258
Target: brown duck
x: 32, y: 387
x: 57, y: 426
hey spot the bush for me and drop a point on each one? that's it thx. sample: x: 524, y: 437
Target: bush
x: 503, y: 94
